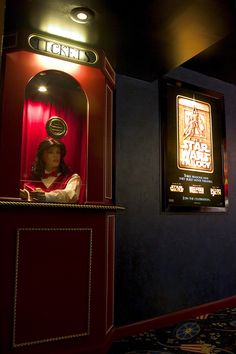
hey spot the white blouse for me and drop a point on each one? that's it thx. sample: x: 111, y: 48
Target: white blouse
x: 69, y: 194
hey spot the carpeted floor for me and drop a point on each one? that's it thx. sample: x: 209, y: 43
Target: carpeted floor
x: 213, y: 333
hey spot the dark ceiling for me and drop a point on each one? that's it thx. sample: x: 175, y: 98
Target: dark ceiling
x: 144, y: 39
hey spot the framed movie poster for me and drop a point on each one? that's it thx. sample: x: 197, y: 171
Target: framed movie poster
x: 194, y: 167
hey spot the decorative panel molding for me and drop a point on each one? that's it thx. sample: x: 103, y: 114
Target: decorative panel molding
x: 52, y: 285
x: 110, y: 257
x: 110, y: 73
x: 108, y: 143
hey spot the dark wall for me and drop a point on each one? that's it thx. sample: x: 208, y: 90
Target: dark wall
x: 166, y: 262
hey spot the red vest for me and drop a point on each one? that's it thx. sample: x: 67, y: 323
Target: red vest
x: 59, y: 183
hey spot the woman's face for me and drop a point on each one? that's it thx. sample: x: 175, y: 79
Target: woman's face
x: 52, y: 158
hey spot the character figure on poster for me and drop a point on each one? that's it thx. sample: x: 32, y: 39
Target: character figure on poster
x: 51, y: 180
x: 195, y: 146
x: 194, y: 126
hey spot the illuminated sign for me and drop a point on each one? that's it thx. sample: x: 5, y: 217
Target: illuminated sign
x: 62, y: 50
x: 194, y: 173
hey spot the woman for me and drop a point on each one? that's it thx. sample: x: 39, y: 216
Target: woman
x: 51, y: 180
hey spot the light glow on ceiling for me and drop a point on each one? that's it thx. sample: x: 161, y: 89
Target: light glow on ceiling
x: 78, y: 36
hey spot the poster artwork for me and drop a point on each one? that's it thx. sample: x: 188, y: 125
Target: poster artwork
x: 194, y: 135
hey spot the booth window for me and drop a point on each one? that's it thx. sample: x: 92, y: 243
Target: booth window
x: 55, y: 106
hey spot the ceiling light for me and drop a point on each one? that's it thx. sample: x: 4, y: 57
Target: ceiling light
x: 81, y: 14
x: 42, y: 89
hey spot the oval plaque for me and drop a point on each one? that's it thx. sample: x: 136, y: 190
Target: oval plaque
x: 56, y: 127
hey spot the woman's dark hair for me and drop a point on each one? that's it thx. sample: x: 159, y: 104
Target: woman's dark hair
x: 39, y: 166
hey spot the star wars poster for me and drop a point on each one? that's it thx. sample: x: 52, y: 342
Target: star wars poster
x: 194, y: 154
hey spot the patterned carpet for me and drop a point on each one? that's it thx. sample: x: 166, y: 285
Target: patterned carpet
x: 213, y: 333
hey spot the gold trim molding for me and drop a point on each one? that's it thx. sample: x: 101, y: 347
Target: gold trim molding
x: 61, y: 205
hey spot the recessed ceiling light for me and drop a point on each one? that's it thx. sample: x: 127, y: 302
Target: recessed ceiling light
x: 81, y: 14
x: 42, y: 89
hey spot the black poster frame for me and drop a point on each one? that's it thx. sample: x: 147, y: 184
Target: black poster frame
x: 193, y: 148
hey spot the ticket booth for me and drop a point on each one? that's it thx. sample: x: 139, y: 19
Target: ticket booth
x: 57, y: 257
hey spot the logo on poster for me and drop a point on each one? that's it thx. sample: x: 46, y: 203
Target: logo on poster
x: 195, y: 155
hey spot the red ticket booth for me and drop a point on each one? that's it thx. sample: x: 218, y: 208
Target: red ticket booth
x: 57, y: 259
